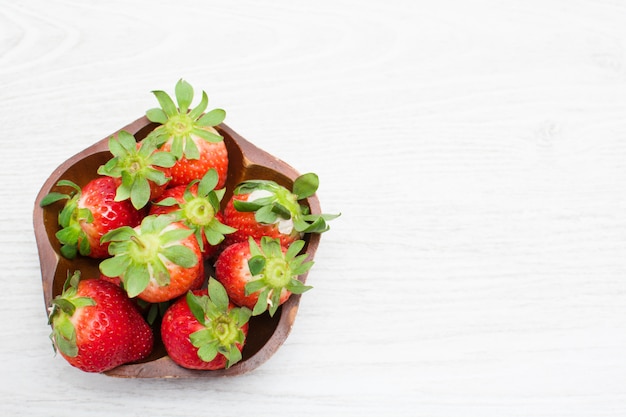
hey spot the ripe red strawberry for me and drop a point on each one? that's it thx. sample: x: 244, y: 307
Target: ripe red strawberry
x: 96, y: 327
x: 197, y: 206
x: 264, y: 208
x: 88, y: 214
x: 204, y: 330
x: 262, y: 277
x: 189, y: 135
x: 156, y: 261
x: 143, y: 171
x: 150, y: 311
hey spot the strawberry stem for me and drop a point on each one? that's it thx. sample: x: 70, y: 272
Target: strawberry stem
x: 199, y: 211
x: 225, y: 330
x: 274, y: 271
x: 274, y: 204
x: 222, y: 325
x: 277, y: 273
x: 138, y: 255
x: 180, y: 125
x: 136, y: 165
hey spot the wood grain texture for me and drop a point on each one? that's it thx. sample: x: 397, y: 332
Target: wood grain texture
x: 476, y: 151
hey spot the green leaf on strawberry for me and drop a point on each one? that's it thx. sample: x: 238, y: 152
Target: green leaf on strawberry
x: 142, y: 254
x: 272, y: 203
x: 71, y: 235
x: 198, y: 209
x: 137, y: 166
x: 62, y: 309
x: 222, y: 324
x: 179, y: 122
x: 274, y: 270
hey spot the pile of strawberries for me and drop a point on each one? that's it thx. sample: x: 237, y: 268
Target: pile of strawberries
x: 152, y: 219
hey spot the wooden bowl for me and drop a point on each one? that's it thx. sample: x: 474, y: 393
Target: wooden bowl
x: 246, y: 161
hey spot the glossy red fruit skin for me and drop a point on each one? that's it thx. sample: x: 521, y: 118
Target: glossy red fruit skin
x: 98, y: 195
x: 178, y: 323
x: 247, y: 226
x: 212, y: 155
x: 178, y: 193
x: 231, y: 270
x: 112, y: 332
x: 181, y: 279
x: 143, y: 308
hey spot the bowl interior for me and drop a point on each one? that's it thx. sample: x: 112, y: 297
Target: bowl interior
x: 246, y: 161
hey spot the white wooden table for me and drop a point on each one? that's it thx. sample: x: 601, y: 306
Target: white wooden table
x: 476, y: 150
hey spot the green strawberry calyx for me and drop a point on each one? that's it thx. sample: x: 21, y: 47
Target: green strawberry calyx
x: 136, y: 166
x: 71, y: 235
x: 273, y: 271
x: 274, y: 204
x: 222, y: 325
x: 142, y: 254
x: 198, y: 211
x: 181, y: 123
x: 61, y: 310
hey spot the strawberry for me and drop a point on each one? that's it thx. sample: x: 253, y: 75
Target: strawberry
x: 143, y: 171
x: 204, y: 330
x: 197, y: 206
x: 189, y: 135
x: 95, y: 326
x: 262, y: 277
x: 88, y: 214
x: 150, y: 311
x: 156, y: 261
x: 264, y: 208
